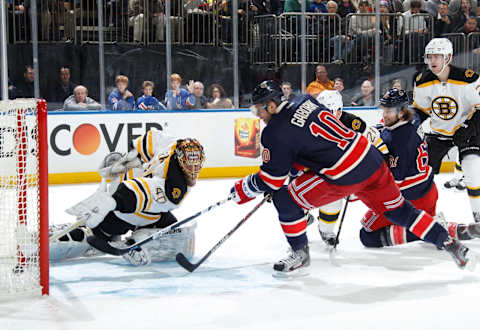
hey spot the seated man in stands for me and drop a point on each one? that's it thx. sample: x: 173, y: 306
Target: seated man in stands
x: 366, y: 96
x: 321, y: 82
x: 196, y: 88
x: 80, y: 100
x: 25, y: 88
x: 121, y: 98
x: 62, y: 87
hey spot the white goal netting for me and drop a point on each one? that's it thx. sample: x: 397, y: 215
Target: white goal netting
x: 20, y: 212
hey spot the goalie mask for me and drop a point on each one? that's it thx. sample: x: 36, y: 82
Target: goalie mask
x: 191, y: 157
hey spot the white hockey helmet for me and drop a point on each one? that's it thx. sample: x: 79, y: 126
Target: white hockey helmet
x: 441, y: 46
x: 332, y: 100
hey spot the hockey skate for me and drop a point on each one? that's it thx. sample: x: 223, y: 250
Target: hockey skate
x: 463, y: 257
x: 458, y: 184
x: 310, y: 218
x: 328, y: 237
x: 294, y: 265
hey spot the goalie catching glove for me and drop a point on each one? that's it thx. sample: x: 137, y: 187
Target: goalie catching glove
x: 115, y: 164
x: 245, y: 190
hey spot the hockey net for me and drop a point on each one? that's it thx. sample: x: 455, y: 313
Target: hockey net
x: 23, y: 198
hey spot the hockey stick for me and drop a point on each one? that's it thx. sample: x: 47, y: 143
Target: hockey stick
x: 341, y: 222
x: 104, y: 246
x: 183, y: 261
x: 80, y: 222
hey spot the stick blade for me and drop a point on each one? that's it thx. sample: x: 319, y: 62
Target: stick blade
x: 183, y: 261
x: 104, y: 246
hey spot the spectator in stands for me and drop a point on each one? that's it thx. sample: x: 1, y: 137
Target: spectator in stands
x: 158, y: 19
x: 397, y: 83
x: 320, y: 83
x: 196, y: 88
x: 69, y: 12
x: 17, y: 27
x: 471, y: 25
x: 295, y: 6
x: 178, y: 98
x: 366, y: 96
x: 12, y: 90
x: 390, y: 30
x: 407, y: 3
x: 394, y: 6
x: 339, y: 86
x: 455, y: 6
x: 136, y: 17
x: 121, y: 98
x: 80, y: 100
x: 61, y: 88
x: 442, y: 23
x: 416, y: 31
x: 288, y: 94
x: 346, y: 7
x: 218, y: 98
x: 25, y: 89
x: 317, y: 6
x: 461, y: 17
x: 362, y: 30
x: 147, y: 101
x: 266, y: 7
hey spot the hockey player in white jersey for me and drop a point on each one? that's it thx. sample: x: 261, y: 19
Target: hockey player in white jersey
x: 450, y: 96
x: 145, y: 185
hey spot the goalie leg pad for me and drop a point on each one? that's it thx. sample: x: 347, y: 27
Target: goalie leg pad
x: 166, y: 247
x: 72, y: 245
x: 94, y: 208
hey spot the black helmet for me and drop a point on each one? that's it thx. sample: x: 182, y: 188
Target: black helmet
x: 267, y: 90
x: 394, y: 98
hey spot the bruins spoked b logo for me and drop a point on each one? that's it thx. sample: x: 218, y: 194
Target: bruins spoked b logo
x: 445, y: 107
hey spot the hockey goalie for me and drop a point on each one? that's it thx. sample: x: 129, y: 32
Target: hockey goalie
x: 144, y: 186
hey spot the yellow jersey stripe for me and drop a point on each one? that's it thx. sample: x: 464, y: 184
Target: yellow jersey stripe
x: 147, y: 217
x: 140, y: 149
x: 139, y: 194
x: 167, y: 160
x: 150, y: 144
x: 149, y: 197
x: 425, y: 110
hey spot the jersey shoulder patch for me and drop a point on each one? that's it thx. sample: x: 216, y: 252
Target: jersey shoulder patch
x: 424, y: 78
x: 462, y: 75
x: 175, y: 182
x: 353, y: 122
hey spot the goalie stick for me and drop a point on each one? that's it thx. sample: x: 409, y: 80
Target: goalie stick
x: 104, y: 246
x: 183, y: 261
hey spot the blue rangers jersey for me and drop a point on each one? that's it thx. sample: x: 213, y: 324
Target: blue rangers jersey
x: 304, y: 133
x: 408, y: 159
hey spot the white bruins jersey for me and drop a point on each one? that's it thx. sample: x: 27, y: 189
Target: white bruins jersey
x: 160, y: 185
x: 450, y: 103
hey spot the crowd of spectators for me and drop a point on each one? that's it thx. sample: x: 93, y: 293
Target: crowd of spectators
x: 121, y: 98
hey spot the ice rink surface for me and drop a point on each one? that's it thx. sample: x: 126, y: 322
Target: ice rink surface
x: 414, y: 286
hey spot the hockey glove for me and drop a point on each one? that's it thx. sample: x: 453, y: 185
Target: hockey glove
x: 115, y: 164
x: 245, y: 190
x: 464, y: 133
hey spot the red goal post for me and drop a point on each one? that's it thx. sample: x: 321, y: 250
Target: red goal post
x: 24, y: 258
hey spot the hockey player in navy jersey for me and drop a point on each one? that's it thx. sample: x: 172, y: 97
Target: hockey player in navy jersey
x: 408, y: 162
x: 340, y: 162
